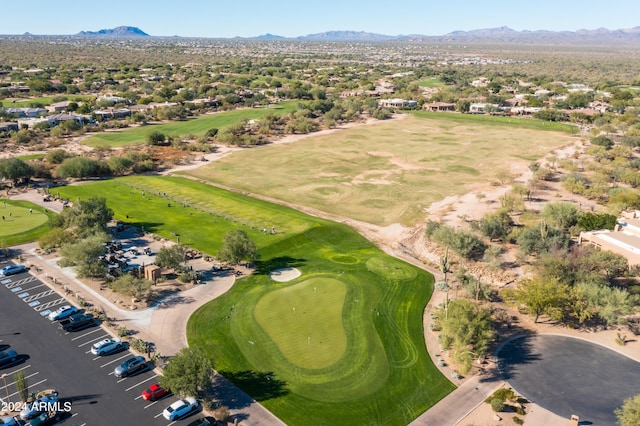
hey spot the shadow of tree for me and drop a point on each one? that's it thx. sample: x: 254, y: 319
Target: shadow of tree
x: 266, y: 266
x: 518, y: 351
x: 77, y: 399
x: 260, y: 385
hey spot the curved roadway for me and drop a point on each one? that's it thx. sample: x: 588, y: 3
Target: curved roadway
x: 569, y: 376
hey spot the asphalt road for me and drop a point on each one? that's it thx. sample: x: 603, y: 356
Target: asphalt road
x: 53, y: 359
x: 570, y: 376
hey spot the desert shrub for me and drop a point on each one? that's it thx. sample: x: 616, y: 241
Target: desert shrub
x: 497, y: 405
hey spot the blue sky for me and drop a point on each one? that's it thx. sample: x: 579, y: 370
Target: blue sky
x: 246, y: 18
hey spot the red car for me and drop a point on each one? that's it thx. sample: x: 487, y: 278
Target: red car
x: 155, y: 392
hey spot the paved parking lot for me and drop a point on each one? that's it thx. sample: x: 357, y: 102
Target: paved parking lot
x: 54, y: 359
x: 568, y: 376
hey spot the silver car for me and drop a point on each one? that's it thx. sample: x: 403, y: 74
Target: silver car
x: 131, y: 366
x: 107, y: 346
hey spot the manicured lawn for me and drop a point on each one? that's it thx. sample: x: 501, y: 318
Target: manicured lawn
x: 18, y: 226
x: 431, y: 82
x: 194, y: 126
x: 351, y: 352
x: 391, y: 171
x: 30, y: 157
x: 44, y: 100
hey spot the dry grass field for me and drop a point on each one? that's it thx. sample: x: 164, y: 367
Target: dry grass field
x: 391, y: 171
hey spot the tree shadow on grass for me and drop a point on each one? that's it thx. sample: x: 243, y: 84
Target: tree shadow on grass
x: 151, y: 227
x: 260, y: 385
x: 265, y: 267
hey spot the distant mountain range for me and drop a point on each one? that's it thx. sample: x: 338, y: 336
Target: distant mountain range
x: 499, y: 35
x: 122, y: 31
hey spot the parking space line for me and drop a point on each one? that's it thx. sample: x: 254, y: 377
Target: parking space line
x: 38, y: 295
x: 9, y: 283
x: 121, y: 380
x: 171, y: 423
x: 51, y: 304
x: 116, y: 360
x: 86, y: 334
x: 31, y: 386
x: 138, y: 384
x: 137, y: 397
x: 41, y: 294
x: 19, y: 369
x: 93, y: 339
x: 27, y: 377
x: 158, y: 415
x: 149, y: 405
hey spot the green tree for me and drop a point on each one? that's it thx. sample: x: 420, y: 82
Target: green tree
x: 188, y: 372
x: 236, y: 246
x: 82, y: 167
x: 602, y: 141
x: 541, y: 297
x: 560, y: 215
x: 171, y: 257
x: 629, y: 413
x: 467, y: 330
x: 57, y: 156
x: 88, y: 216
x: 496, y: 225
x: 129, y: 285
x: 592, y: 221
x: 16, y: 170
x: 156, y: 138
x: 541, y: 239
x: 55, y: 238
x: 86, y: 255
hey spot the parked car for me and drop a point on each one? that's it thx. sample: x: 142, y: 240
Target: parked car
x: 131, y: 366
x: 8, y: 356
x: 12, y: 270
x: 39, y: 406
x: 62, y: 313
x: 47, y: 419
x: 181, y: 409
x: 107, y: 346
x: 155, y: 392
x: 205, y: 421
x: 77, y: 322
x: 8, y: 421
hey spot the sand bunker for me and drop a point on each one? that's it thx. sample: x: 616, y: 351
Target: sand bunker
x: 285, y: 274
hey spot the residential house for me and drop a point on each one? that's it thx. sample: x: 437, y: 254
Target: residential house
x: 439, y: 107
x: 623, y: 240
x: 397, y: 103
x: 25, y: 112
x: 112, y: 113
x: 6, y: 127
x: 58, y: 106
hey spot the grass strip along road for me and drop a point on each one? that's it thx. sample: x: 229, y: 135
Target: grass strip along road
x: 342, y: 344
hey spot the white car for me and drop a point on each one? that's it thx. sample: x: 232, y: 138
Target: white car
x: 181, y: 408
x: 107, y: 346
x: 62, y: 313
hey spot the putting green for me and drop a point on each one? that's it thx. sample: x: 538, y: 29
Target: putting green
x: 16, y: 219
x: 305, y: 321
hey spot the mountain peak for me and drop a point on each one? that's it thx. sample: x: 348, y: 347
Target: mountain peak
x: 122, y: 31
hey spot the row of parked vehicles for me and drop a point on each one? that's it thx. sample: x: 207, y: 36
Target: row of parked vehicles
x: 70, y: 319
x: 137, y: 364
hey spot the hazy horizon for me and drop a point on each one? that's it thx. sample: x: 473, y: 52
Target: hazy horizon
x: 288, y: 18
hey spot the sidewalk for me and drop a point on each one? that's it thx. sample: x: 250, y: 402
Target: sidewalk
x: 163, y: 324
